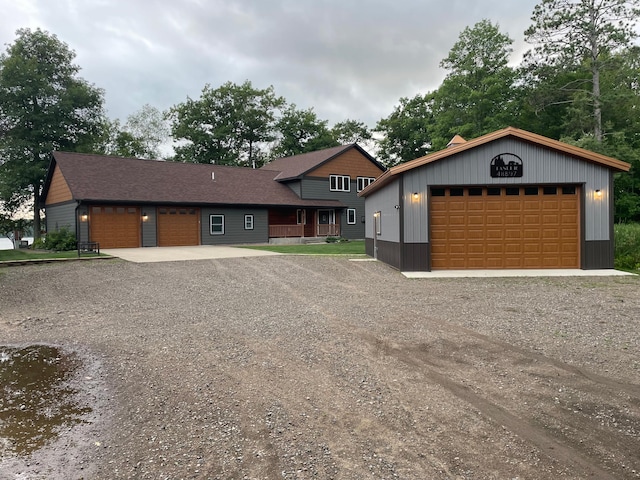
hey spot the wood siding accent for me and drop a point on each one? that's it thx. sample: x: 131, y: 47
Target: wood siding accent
x: 58, y: 189
x: 351, y: 163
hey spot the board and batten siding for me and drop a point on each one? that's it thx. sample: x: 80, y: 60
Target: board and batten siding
x: 61, y: 216
x: 149, y: 228
x: 540, y: 166
x: 318, y: 189
x: 384, y: 201
x: 234, y: 231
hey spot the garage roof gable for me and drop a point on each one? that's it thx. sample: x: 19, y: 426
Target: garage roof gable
x: 545, y: 142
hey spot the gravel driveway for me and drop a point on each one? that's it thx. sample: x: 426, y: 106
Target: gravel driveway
x: 319, y: 367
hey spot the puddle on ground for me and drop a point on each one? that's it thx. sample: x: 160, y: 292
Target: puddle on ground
x: 37, y: 400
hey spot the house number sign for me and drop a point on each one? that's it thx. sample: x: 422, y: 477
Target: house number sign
x: 506, y: 165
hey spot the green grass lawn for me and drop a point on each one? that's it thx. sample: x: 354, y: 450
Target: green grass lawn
x: 339, y: 248
x: 25, y: 254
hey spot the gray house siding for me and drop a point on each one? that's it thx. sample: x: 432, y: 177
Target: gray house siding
x: 318, y: 189
x: 150, y: 227
x: 234, y: 231
x: 60, y: 216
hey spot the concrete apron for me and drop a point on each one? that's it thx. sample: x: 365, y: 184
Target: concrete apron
x: 516, y: 273
x: 177, y: 254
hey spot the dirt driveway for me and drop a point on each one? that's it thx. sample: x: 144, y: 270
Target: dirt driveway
x: 312, y: 367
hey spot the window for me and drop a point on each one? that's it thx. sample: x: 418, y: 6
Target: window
x: 340, y: 183
x: 512, y: 191
x: 437, y: 192
x: 531, y: 190
x: 363, y: 182
x: 248, y: 222
x: 456, y: 192
x: 301, y: 216
x: 378, y: 220
x: 216, y: 224
x: 569, y: 190
x: 475, y: 191
x: 351, y: 216
x: 493, y: 191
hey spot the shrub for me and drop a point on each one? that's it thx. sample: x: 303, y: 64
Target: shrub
x: 58, y: 240
x: 627, y: 246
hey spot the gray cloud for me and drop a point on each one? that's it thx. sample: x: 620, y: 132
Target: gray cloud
x: 346, y: 59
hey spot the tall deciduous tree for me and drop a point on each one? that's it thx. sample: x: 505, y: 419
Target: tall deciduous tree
x: 230, y: 125
x: 301, y: 131
x: 406, y: 132
x: 478, y: 94
x: 44, y: 106
x: 351, y: 131
x: 149, y: 127
x: 580, y: 36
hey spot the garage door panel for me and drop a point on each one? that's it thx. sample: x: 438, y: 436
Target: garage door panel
x: 178, y: 226
x: 505, y: 231
x: 115, y: 227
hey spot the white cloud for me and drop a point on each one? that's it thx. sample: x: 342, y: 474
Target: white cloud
x: 346, y: 59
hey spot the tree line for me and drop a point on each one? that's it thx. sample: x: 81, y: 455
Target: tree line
x: 578, y: 83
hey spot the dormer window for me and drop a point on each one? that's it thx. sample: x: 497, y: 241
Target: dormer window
x: 340, y: 183
x: 363, y: 182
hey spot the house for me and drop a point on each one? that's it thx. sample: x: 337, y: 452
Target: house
x: 508, y: 199
x: 126, y: 202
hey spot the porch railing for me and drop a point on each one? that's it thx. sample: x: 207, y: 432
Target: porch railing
x: 331, y: 230
x: 285, y: 231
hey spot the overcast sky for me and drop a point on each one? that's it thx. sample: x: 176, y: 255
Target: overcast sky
x: 345, y: 58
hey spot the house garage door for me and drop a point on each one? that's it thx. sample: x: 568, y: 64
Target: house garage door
x: 178, y: 226
x: 115, y: 227
x: 505, y: 227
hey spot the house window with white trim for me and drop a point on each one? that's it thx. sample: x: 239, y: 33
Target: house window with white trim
x: 248, y: 222
x: 363, y: 182
x: 216, y: 224
x: 351, y: 216
x: 340, y: 183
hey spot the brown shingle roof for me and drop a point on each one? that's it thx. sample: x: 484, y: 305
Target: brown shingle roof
x: 299, y: 165
x: 534, y: 138
x: 116, y: 179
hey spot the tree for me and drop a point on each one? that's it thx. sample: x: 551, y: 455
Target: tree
x: 149, y: 128
x: 478, y: 94
x: 579, y: 36
x: 44, y: 106
x: 230, y: 125
x: 351, y: 131
x: 406, y: 132
x: 301, y: 131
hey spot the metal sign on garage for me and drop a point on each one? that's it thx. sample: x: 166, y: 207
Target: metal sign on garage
x: 506, y: 165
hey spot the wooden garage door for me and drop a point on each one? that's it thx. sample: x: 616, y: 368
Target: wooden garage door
x: 178, y: 226
x: 115, y: 227
x: 505, y: 227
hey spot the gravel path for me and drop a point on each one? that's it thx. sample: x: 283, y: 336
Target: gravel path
x: 319, y: 367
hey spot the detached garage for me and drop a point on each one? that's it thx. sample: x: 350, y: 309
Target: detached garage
x: 509, y: 199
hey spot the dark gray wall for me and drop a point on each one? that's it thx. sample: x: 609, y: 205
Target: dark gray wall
x: 234, y: 231
x: 150, y: 227
x: 318, y: 189
x: 61, y: 215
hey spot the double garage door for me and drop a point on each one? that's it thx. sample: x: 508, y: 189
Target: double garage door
x: 505, y: 227
x: 121, y: 227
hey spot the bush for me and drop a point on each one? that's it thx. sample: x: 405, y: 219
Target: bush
x: 336, y: 239
x: 59, y: 240
x: 627, y: 246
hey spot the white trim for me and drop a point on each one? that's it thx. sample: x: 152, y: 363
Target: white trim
x: 353, y: 212
x: 211, y: 224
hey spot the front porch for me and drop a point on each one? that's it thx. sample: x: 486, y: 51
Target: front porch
x: 303, y: 223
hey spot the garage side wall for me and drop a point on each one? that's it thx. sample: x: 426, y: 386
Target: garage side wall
x: 387, y: 242
x: 234, y: 226
x: 150, y: 227
x: 61, y: 216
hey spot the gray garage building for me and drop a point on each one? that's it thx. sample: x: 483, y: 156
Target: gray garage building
x: 508, y: 199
